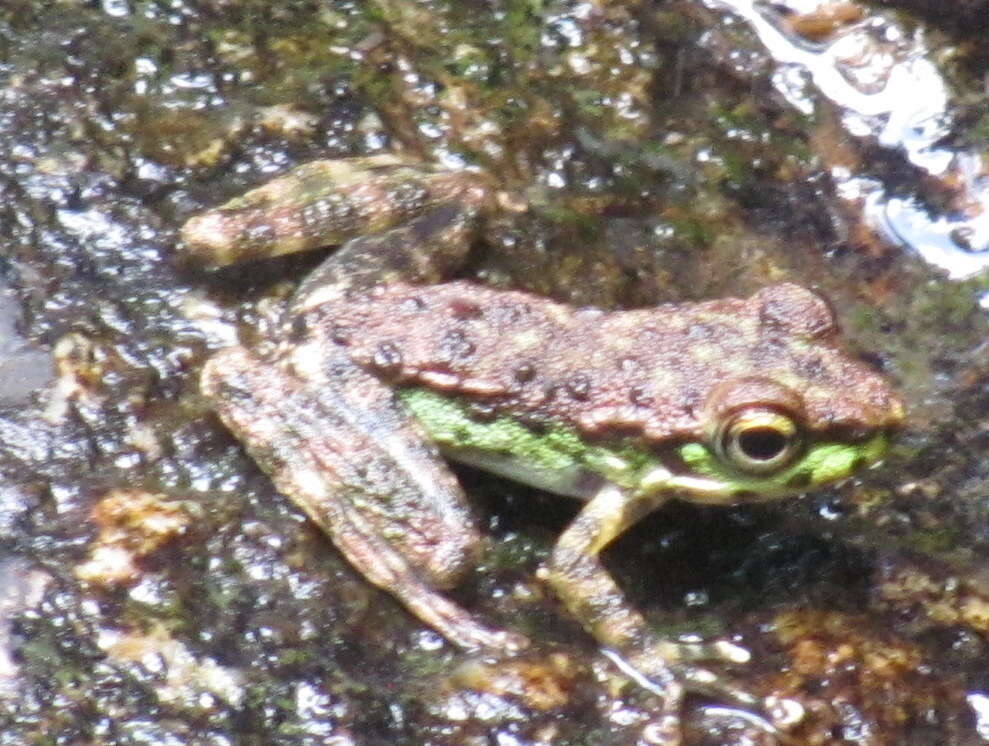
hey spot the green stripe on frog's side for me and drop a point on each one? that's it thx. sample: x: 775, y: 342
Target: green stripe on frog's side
x: 554, y: 456
x: 548, y: 455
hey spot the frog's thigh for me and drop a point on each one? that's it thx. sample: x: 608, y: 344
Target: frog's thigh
x: 357, y: 475
x: 388, y: 503
x: 388, y: 470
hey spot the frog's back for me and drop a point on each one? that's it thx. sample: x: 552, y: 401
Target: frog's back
x: 642, y: 373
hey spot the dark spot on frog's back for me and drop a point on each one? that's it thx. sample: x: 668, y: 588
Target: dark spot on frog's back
x: 464, y: 309
x: 338, y: 370
x: 811, y: 368
x: 507, y: 314
x: 456, y: 345
x: 641, y: 398
x: 579, y: 388
x: 524, y: 373
x: 768, y: 351
x: 387, y: 358
x: 413, y: 304
x: 338, y: 334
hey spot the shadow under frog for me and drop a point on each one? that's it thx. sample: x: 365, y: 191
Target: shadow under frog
x: 379, y: 369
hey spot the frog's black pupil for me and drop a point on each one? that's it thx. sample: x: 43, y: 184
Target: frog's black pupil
x: 761, y: 443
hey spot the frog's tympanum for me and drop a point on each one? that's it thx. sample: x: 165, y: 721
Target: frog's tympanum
x: 378, y: 370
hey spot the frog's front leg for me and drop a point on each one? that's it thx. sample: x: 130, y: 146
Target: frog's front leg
x: 587, y: 589
x: 350, y: 458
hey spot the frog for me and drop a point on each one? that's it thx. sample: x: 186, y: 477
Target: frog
x: 382, y: 367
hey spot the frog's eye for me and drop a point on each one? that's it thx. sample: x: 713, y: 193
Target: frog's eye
x: 758, y: 440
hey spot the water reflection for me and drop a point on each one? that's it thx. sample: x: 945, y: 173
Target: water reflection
x: 887, y: 90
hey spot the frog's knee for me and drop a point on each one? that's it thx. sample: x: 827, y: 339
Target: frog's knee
x: 227, y: 375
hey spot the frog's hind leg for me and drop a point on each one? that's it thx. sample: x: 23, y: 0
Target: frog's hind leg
x: 347, y: 460
x: 326, y: 203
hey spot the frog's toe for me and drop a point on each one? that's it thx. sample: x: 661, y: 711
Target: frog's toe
x: 512, y: 642
x: 702, y: 650
x: 497, y: 641
x: 672, y: 679
x: 715, y: 685
x: 771, y: 715
x: 665, y: 728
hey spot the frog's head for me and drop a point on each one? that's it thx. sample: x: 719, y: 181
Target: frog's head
x: 795, y: 410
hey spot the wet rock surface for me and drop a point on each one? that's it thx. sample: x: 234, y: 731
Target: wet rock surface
x: 965, y: 16
x: 155, y: 588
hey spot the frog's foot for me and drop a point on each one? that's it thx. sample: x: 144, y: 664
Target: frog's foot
x: 704, y: 650
x: 672, y: 680
x: 458, y: 626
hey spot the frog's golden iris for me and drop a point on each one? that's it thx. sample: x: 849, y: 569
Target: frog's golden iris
x: 759, y: 440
